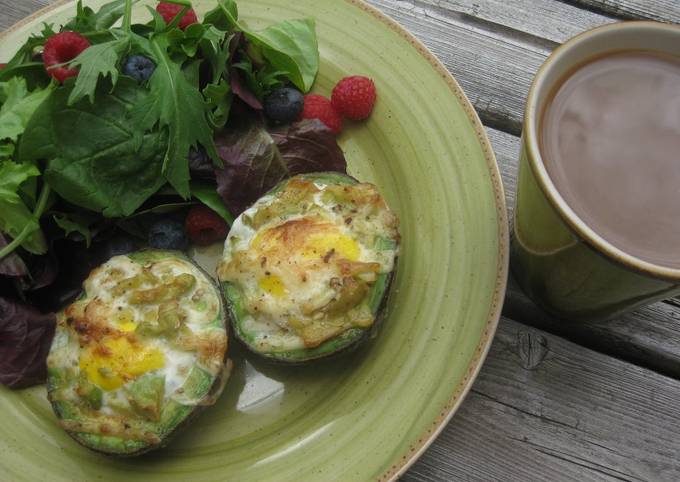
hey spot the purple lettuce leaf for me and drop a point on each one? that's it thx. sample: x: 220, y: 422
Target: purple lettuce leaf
x: 309, y: 146
x: 25, y: 338
x: 256, y: 160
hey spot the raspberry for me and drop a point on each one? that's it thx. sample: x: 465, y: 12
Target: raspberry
x: 318, y: 107
x: 60, y: 49
x: 2, y: 66
x: 170, y: 10
x: 204, y: 226
x: 354, y: 97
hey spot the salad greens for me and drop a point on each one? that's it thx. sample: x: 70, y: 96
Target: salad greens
x: 98, y: 156
x: 107, y: 144
x: 289, y: 46
x: 88, y: 163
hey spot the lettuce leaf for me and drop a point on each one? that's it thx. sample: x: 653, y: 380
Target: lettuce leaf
x: 98, y: 156
x: 256, y: 160
x: 16, y: 219
x: 25, y: 338
x: 290, y: 46
x: 17, y: 107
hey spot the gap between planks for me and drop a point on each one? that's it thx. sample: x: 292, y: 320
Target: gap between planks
x: 544, y: 408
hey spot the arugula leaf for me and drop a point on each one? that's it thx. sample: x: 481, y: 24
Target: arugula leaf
x: 207, y: 194
x: 74, y: 223
x: 174, y: 103
x: 98, y: 155
x: 16, y: 219
x: 215, y: 49
x: 219, y: 98
x: 97, y: 61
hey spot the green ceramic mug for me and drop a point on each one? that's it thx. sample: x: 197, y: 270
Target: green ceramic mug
x: 558, y: 260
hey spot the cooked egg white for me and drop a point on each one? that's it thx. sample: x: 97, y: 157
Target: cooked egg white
x: 139, y: 319
x: 303, y: 260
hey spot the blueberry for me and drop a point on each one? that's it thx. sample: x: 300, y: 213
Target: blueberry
x: 284, y: 105
x: 139, y: 67
x: 168, y: 234
x: 117, y: 245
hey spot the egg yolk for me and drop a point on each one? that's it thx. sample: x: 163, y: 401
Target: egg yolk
x: 320, y: 244
x: 273, y: 285
x: 118, y: 360
x: 317, y: 245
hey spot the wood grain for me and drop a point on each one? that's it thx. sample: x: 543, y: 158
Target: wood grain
x: 571, y: 415
x: 661, y: 10
x: 13, y: 11
x: 495, y: 70
x: 544, y: 19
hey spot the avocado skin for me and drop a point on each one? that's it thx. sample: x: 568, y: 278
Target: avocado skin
x: 328, y: 350
x: 213, y: 393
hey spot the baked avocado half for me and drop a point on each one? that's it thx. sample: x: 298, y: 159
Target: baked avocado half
x: 307, y: 269
x: 141, y: 351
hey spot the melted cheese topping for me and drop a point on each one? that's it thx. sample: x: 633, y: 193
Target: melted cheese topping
x: 305, y: 258
x: 131, y: 342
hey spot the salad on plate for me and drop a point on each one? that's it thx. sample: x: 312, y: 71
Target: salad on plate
x: 117, y: 137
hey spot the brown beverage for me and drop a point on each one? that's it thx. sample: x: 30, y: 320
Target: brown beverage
x: 610, y: 139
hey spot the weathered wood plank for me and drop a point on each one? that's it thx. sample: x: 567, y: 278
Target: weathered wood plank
x: 661, y: 10
x: 13, y: 11
x: 545, y: 19
x: 649, y: 337
x: 547, y: 409
x: 494, y: 70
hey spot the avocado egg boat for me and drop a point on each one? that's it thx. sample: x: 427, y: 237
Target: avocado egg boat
x: 307, y: 269
x: 138, y: 353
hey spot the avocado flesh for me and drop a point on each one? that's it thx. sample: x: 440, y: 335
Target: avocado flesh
x: 347, y: 340
x: 152, y: 418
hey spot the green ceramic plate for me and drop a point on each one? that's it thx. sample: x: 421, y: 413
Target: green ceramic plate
x: 369, y: 415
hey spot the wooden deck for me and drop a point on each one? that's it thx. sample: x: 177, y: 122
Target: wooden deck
x: 554, y: 401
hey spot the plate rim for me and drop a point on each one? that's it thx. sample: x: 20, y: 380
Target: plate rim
x: 402, y: 462
x: 418, y: 447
